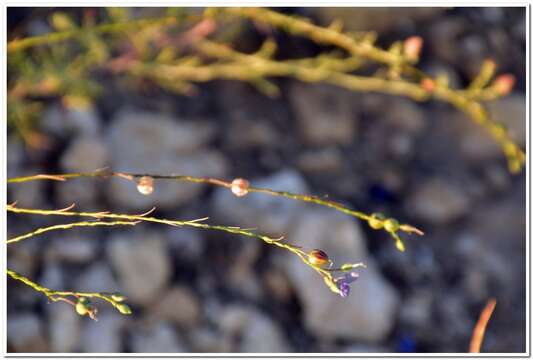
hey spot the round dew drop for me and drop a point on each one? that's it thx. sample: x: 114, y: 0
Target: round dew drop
x: 239, y: 187
x: 145, y: 185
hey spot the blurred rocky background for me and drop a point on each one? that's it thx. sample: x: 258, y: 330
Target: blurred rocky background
x: 196, y: 291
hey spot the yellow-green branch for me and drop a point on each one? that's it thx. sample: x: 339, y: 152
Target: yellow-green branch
x: 69, y: 226
x: 388, y: 224
x: 56, y: 37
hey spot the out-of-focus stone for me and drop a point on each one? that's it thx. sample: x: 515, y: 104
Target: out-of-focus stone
x: 104, y: 335
x: 257, y: 332
x: 72, y: 248
x: 186, y: 243
x: 160, y: 338
x: 29, y: 194
x: 179, y: 306
x: 438, y: 202
x: 53, y: 276
x: 86, y: 153
x: 277, y: 285
x: 324, y: 114
x: 15, y: 158
x: 63, y: 327
x: 404, y: 114
x: 416, y: 310
x: 241, y: 276
x: 25, y: 333
x: 369, y: 312
x: 153, y: 143
x: 208, y: 340
x: 83, y: 192
x: 328, y: 160
x: 142, y: 264
x: 98, y: 277
x: 257, y: 133
x: 63, y: 122
x: 271, y: 214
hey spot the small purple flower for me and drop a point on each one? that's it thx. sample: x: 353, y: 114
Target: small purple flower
x: 344, y: 289
x: 344, y: 283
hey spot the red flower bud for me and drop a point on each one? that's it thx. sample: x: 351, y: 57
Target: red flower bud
x: 412, y: 47
x: 503, y: 84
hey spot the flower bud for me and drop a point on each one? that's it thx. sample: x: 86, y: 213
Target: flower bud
x: 124, y: 309
x: 412, y: 47
x: 318, y: 257
x: 118, y: 297
x: 391, y: 225
x: 145, y: 185
x: 239, y: 187
x: 376, y: 221
x: 427, y: 84
x: 503, y: 84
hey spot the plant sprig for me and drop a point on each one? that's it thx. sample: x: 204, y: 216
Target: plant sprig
x: 375, y: 221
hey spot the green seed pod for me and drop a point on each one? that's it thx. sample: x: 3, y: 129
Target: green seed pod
x: 346, y: 267
x: 82, y: 308
x: 124, y: 309
x: 391, y: 225
x: 376, y: 221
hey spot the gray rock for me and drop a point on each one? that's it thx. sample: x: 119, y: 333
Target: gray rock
x: 178, y: 306
x: 438, y: 202
x: 60, y: 121
x: 152, y: 143
x: 277, y: 284
x: 241, y: 276
x: 83, y: 192
x: 25, y: 333
x: 208, y: 340
x: 186, y: 243
x: 258, y: 133
x: 52, y: 276
x: 404, y: 114
x: 156, y: 130
x: 85, y: 153
x: 270, y: 214
x: 73, y: 248
x: 416, y: 309
x: 29, y: 194
x: 160, y: 338
x: 15, y: 158
x: 142, y: 264
x: 98, y: 277
x: 24, y: 257
x: 104, y: 335
x: 257, y: 332
x: 326, y: 160
x: 366, y: 348
x: 369, y: 312
x: 63, y: 327
x: 324, y: 114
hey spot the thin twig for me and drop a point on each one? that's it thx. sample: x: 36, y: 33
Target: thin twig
x: 481, y: 325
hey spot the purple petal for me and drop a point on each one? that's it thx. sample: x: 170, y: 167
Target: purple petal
x: 351, y: 277
x: 344, y: 289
